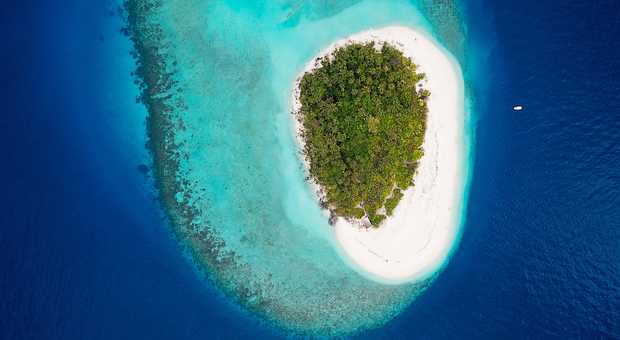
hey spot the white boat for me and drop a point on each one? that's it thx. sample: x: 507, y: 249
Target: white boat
x: 517, y: 107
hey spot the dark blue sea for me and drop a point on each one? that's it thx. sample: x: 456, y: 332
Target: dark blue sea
x: 86, y: 251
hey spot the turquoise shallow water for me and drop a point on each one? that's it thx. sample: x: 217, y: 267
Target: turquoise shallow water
x: 218, y: 79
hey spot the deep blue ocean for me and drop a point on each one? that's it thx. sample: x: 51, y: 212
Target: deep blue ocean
x: 86, y: 252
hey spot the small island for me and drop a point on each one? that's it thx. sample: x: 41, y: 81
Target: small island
x: 363, y: 114
x: 380, y: 127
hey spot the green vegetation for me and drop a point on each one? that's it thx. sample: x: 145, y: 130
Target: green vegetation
x: 364, y: 121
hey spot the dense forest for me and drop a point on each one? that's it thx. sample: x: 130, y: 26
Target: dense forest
x: 363, y: 113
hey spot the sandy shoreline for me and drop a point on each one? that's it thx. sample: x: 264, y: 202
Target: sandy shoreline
x: 416, y: 240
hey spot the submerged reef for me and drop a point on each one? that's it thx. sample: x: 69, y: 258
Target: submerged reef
x: 209, y: 79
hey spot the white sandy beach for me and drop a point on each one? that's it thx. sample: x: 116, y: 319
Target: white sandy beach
x: 416, y: 240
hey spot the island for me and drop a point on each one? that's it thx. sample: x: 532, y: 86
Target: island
x: 380, y: 125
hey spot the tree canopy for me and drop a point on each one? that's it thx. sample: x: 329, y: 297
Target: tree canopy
x: 364, y: 117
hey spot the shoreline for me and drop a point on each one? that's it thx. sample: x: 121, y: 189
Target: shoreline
x: 402, y: 249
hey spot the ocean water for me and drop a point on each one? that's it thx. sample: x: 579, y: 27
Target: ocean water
x: 87, y: 249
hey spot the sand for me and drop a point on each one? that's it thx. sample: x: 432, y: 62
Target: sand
x: 417, y: 239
